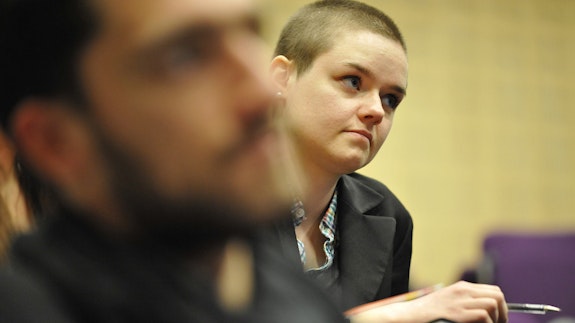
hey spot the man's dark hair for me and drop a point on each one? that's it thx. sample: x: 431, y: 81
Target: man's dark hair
x: 40, y: 42
x: 315, y: 28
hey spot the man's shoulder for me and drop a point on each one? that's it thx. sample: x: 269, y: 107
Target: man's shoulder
x: 287, y: 295
x: 23, y: 299
x: 49, y: 281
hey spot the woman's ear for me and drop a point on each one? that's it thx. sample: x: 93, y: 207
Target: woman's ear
x: 280, y: 70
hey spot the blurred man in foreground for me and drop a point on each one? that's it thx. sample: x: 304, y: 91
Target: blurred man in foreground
x: 148, y: 118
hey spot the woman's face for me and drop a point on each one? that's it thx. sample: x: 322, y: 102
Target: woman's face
x: 340, y: 111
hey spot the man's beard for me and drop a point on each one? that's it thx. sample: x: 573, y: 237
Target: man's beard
x: 192, y: 220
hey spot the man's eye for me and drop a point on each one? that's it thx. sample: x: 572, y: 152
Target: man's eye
x: 352, y: 82
x: 183, y: 60
x: 182, y: 56
x: 390, y: 100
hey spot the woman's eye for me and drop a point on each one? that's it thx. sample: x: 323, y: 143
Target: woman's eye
x: 352, y: 82
x: 390, y: 100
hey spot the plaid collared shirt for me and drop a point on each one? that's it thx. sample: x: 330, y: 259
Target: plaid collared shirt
x: 327, y: 227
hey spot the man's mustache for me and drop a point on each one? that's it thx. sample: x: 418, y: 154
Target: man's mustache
x: 257, y: 126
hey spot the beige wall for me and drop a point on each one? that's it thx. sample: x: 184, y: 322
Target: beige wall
x: 485, y: 138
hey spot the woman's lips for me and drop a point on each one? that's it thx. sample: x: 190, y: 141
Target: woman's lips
x: 364, y: 133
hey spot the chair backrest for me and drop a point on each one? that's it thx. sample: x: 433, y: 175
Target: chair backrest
x: 534, y: 268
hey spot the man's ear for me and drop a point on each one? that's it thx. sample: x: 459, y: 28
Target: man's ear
x: 52, y: 139
x: 280, y: 71
x: 6, y: 156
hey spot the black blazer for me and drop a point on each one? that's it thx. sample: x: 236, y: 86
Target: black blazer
x: 373, y: 246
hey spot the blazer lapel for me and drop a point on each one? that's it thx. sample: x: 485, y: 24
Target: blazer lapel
x: 366, y: 242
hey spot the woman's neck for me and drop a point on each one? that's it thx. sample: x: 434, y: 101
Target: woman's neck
x: 320, y: 189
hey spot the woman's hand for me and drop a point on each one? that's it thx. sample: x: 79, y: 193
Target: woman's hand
x: 461, y: 302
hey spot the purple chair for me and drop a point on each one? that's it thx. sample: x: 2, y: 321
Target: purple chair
x: 532, y: 268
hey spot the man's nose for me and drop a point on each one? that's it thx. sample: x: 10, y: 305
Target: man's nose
x: 247, y: 55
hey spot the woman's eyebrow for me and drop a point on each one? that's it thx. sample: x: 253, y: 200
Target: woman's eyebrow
x: 360, y: 68
x: 366, y: 71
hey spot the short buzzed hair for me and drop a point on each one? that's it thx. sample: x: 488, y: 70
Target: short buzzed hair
x: 312, y: 30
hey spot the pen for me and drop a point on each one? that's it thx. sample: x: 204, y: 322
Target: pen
x: 532, y: 308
